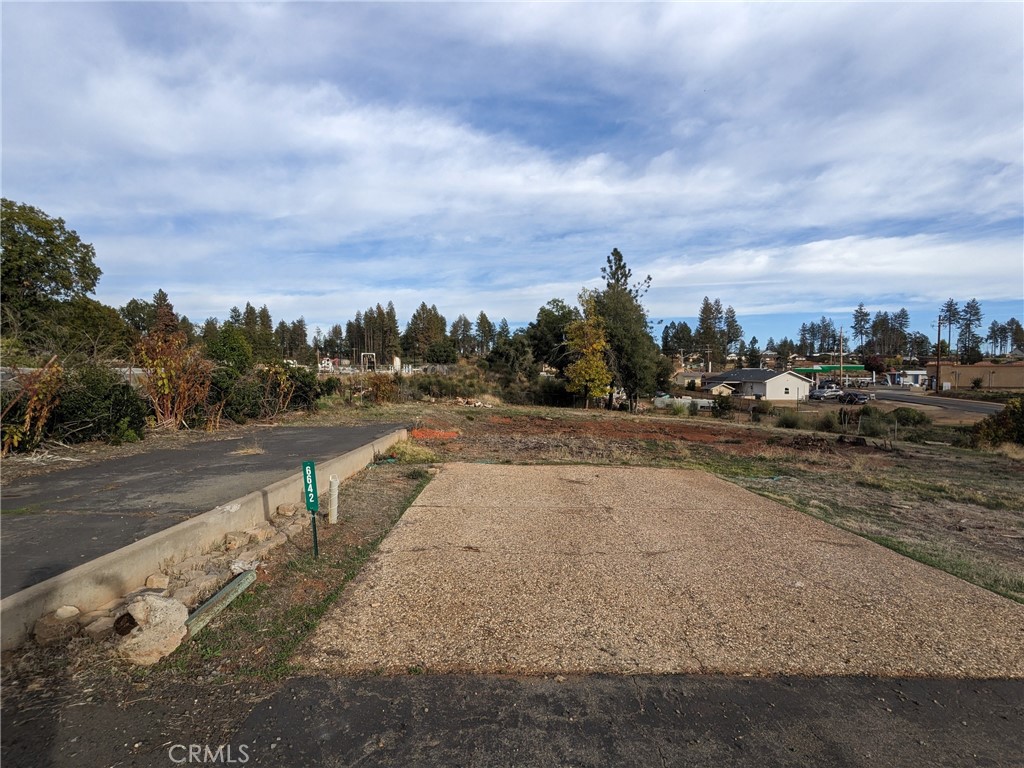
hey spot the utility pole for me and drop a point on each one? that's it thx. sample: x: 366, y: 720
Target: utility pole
x: 938, y: 358
x: 841, y: 382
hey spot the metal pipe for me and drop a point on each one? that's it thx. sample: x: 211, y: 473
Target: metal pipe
x: 332, y: 513
x: 205, y: 613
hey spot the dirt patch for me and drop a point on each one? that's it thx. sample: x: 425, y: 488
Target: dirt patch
x: 433, y: 434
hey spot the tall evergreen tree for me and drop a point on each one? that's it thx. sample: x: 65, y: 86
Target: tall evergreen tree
x: 165, y: 319
x: 949, y: 315
x: 634, y: 356
x: 617, y: 275
x: 426, y: 327
x: 968, y: 341
x: 484, y: 334
x: 861, y: 323
x: 733, y: 330
x: 264, y: 347
x: 391, y: 342
x: 461, y: 335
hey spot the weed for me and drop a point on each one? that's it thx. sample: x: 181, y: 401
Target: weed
x: 409, y: 452
x: 249, y: 448
x: 991, y: 576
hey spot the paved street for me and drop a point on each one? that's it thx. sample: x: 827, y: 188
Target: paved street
x: 641, y: 721
x: 56, y: 521
x: 947, y: 403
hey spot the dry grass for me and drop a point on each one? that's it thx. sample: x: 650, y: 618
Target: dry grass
x: 250, y: 447
x: 410, y: 452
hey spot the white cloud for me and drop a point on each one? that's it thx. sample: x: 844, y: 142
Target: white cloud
x: 399, y: 151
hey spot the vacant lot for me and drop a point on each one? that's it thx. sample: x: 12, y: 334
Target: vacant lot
x: 576, y: 569
x: 956, y: 508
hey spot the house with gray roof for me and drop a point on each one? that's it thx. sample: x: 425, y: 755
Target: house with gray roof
x: 760, y: 383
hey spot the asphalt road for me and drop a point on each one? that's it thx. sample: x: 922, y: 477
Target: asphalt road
x: 56, y: 521
x: 949, y: 403
x: 637, y: 721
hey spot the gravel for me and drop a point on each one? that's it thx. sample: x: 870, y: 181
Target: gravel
x: 583, y: 569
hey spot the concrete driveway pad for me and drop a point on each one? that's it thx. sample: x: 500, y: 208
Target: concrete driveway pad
x: 579, y: 569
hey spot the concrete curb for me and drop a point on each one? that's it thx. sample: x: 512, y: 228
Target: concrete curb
x: 93, y: 584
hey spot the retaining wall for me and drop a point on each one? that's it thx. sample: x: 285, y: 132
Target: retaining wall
x: 91, y: 585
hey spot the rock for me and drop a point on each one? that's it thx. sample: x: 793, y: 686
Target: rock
x: 287, y: 510
x: 262, y: 549
x: 51, y: 630
x: 114, y: 605
x: 241, y: 566
x: 262, y: 533
x: 293, y: 530
x: 100, y: 629
x: 67, y: 612
x: 161, y: 628
x: 194, y: 563
x: 200, y: 588
x: 144, y: 591
x: 158, y: 581
x: 235, y: 540
x: 85, y: 619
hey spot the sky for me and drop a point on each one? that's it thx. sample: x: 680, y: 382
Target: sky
x: 793, y: 160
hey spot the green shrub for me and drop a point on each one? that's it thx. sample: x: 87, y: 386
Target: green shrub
x: 873, y: 426
x: 678, y: 409
x: 383, y: 388
x: 722, y: 407
x: 550, y: 391
x: 908, y: 417
x: 330, y: 386
x: 693, y: 408
x: 1007, y: 426
x: 242, y: 396
x: 98, y: 404
x: 441, y: 353
x: 307, y: 389
x: 788, y: 419
x: 871, y: 412
x: 827, y: 422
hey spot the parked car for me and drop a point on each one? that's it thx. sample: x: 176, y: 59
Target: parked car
x: 825, y: 394
x: 854, y: 398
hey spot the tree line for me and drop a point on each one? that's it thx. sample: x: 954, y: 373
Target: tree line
x: 602, y: 344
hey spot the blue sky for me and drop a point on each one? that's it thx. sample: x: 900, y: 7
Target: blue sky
x: 792, y: 160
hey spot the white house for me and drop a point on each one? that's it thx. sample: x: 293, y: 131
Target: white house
x: 761, y: 383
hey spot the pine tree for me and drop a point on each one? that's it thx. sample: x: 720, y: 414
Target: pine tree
x: 484, y: 334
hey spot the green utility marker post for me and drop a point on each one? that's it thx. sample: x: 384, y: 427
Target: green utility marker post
x: 312, y: 500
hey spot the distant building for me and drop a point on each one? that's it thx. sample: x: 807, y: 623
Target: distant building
x: 760, y: 383
x: 993, y: 375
